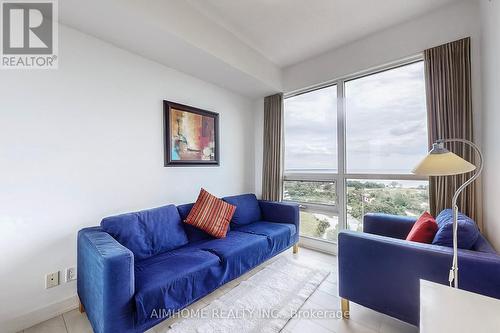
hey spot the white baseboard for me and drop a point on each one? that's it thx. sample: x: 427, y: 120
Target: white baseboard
x: 40, y: 315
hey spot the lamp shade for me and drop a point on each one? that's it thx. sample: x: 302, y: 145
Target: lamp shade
x: 441, y: 162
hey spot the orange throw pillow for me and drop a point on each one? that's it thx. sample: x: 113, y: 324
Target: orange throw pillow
x: 211, y: 215
x: 424, y: 230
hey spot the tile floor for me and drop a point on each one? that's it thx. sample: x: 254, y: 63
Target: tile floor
x: 362, y: 320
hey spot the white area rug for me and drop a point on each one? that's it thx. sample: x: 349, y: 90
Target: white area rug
x: 263, y: 303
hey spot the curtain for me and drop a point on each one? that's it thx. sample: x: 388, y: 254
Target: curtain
x: 273, y: 140
x: 449, y: 108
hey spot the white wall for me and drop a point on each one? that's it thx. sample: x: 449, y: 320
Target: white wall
x: 490, y: 51
x: 85, y: 141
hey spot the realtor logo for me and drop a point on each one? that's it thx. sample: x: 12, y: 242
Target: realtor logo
x: 29, y: 34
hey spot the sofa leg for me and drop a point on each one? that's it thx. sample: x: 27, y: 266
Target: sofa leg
x: 344, y: 306
x: 80, y: 307
x: 295, y: 248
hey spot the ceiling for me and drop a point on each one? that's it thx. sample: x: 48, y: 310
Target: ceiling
x: 241, y: 45
x: 289, y: 31
x: 173, y: 33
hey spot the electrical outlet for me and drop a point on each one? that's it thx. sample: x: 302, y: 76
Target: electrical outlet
x: 51, y: 280
x: 70, y: 274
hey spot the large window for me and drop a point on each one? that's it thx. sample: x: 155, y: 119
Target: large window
x: 311, y: 131
x: 386, y: 121
x: 398, y: 197
x: 311, y: 160
x: 319, y: 218
x: 350, y: 146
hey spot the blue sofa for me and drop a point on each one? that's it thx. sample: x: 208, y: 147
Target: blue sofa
x: 138, y: 268
x: 380, y: 270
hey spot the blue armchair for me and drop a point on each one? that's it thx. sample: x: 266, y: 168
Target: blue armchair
x: 380, y: 270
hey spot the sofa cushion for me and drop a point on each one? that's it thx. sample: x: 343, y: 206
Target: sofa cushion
x: 247, y: 208
x: 238, y: 251
x: 211, y: 214
x: 148, y: 232
x: 194, y: 234
x: 467, y: 230
x: 279, y: 235
x: 172, y: 280
x: 424, y: 230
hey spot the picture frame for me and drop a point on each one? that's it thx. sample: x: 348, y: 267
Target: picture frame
x: 191, y: 136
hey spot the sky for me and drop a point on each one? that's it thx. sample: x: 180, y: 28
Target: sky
x: 386, y: 124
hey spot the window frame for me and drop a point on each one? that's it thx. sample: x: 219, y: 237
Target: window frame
x: 341, y: 176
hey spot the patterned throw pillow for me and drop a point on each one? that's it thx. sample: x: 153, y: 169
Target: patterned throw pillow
x: 211, y: 215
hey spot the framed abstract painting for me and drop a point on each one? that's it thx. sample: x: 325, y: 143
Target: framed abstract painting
x: 191, y: 135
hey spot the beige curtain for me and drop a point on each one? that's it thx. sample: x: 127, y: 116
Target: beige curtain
x: 273, y: 140
x: 449, y: 107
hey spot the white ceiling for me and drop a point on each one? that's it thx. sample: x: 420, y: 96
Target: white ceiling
x: 289, y: 31
x: 241, y: 45
x: 175, y: 34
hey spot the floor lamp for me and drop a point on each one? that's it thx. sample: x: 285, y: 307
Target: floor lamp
x: 441, y: 162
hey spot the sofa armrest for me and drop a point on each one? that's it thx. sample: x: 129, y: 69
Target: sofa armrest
x: 383, y: 273
x: 388, y: 225
x: 281, y: 212
x: 105, y: 281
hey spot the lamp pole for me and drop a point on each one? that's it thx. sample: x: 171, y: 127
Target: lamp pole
x: 453, y: 277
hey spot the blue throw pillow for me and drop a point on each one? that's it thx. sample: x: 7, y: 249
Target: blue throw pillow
x: 247, y: 208
x: 467, y: 230
x: 147, y: 232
